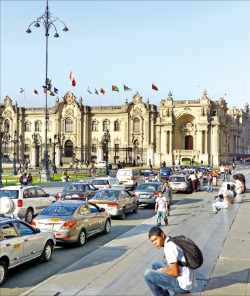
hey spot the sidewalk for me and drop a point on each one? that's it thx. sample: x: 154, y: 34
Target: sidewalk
x: 118, y: 267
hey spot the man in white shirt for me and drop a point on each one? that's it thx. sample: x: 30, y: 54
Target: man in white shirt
x: 228, y: 199
x: 161, y: 278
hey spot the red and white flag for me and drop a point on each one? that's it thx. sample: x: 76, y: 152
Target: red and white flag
x: 72, y: 80
x: 21, y: 90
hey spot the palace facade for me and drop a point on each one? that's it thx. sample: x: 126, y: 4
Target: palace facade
x: 203, y: 130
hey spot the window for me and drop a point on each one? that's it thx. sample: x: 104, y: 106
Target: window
x: 84, y: 210
x: 40, y: 192
x: 38, y: 127
x: 116, y: 147
x: 26, y: 147
x: 8, y: 231
x: 23, y: 229
x: 95, y: 126
x: 117, y: 126
x: 68, y: 125
x: 105, y: 125
x: 93, y: 148
x: 7, y: 126
x: 49, y: 125
x: 136, y: 124
x: 27, y: 126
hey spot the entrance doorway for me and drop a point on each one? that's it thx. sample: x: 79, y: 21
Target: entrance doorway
x: 188, y: 143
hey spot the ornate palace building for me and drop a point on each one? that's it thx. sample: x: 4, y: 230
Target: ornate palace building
x: 203, y: 130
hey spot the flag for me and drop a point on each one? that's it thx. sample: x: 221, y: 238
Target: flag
x: 154, y: 87
x: 55, y: 90
x: 21, y: 90
x: 115, y: 88
x: 72, y: 80
x: 126, y: 88
x: 35, y: 91
x: 88, y: 90
x: 45, y: 90
x: 51, y: 93
x: 96, y: 92
x: 102, y: 91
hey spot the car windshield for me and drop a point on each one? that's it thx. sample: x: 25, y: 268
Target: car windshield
x: 165, y: 169
x: 9, y: 193
x: 100, y: 182
x: 58, y: 210
x: 75, y: 187
x: 146, y: 186
x: 177, y: 179
x: 124, y: 172
x: 107, y: 195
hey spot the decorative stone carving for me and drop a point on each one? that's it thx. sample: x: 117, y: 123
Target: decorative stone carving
x: 69, y: 98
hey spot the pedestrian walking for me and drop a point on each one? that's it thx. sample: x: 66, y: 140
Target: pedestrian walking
x: 209, y: 182
x: 227, y: 173
x: 168, y: 194
x: 193, y: 178
x: 161, y: 278
x: 161, y: 208
x: 201, y: 179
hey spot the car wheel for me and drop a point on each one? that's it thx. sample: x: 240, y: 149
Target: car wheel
x: 81, y: 238
x: 122, y: 216
x: 107, y: 227
x: 3, y: 272
x: 135, y: 210
x: 47, y: 252
x: 29, y: 216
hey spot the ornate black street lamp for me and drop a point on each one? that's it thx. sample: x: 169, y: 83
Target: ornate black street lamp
x: 47, y: 20
x: 105, y: 143
x: 35, y: 140
x: 57, y: 141
x: 15, y: 141
x: 2, y: 135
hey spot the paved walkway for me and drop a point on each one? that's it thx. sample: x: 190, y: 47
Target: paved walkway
x: 118, y: 267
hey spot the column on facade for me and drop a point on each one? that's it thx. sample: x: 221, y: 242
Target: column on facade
x: 33, y: 156
x: 170, y: 142
x: 206, y: 141
x: 158, y: 139
x: 167, y: 142
x: 99, y: 152
x: 57, y: 155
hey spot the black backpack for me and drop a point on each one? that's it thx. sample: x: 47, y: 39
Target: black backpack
x: 192, y: 253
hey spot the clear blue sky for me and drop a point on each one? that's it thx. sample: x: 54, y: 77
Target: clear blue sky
x: 180, y: 46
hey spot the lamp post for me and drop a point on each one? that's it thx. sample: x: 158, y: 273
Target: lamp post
x: 15, y: 141
x: 105, y: 143
x: 47, y: 20
x: 57, y: 140
x: 35, y: 140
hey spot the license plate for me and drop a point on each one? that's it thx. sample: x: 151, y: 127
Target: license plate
x: 54, y: 220
x: 143, y: 196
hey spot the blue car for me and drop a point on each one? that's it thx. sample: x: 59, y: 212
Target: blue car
x: 165, y: 173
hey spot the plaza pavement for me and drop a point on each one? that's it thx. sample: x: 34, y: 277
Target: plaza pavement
x: 118, y: 267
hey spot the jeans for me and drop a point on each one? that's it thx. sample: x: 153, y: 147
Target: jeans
x: 228, y: 177
x: 201, y: 184
x: 160, y: 283
x: 209, y: 186
x: 162, y: 215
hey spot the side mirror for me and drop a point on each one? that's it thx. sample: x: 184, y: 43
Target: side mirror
x: 38, y: 230
x: 102, y: 210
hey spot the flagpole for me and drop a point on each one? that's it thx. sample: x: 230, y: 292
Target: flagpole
x: 24, y: 98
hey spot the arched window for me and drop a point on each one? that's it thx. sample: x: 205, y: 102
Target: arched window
x: 68, y: 125
x: 49, y: 126
x: 27, y: 126
x: 105, y: 125
x: 94, y: 126
x: 38, y: 127
x: 117, y: 126
x: 7, y: 126
x: 189, y: 143
x: 136, y: 124
x: 68, y: 149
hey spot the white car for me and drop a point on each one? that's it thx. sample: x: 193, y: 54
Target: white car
x: 180, y: 183
x: 25, y: 201
x: 20, y: 243
x: 100, y: 164
x: 107, y: 182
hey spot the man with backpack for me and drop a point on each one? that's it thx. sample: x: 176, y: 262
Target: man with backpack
x: 178, y: 276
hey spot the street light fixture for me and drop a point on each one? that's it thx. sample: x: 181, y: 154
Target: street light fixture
x: 57, y: 141
x: 105, y: 143
x: 47, y: 20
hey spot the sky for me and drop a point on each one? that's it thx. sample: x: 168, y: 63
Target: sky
x: 180, y: 46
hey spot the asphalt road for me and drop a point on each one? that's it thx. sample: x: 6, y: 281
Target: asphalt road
x: 30, y: 274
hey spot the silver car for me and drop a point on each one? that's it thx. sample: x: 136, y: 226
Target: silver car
x: 20, y: 243
x: 117, y: 202
x: 73, y: 221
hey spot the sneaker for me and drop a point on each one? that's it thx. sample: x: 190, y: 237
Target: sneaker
x: 214, y: 212
x: 158, y: 224
x: 168, y: 213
